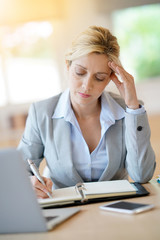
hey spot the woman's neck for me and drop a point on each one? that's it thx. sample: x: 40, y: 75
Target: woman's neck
x: 84, y: 112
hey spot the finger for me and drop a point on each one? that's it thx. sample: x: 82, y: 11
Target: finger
x: 48, y: 183
x: 125, y: 75
x: 38, y: 185
x: 113, y: 66
x: 40, y: 194
x: 120, y: 71
x: 115, y: 80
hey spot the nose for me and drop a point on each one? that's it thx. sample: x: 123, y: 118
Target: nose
x: 87, y: 84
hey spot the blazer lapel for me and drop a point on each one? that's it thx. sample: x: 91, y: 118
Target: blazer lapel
x: 62, y: 141
x: 114, y: 151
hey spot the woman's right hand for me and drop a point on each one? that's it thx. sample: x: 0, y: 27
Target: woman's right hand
x: 40, y: 189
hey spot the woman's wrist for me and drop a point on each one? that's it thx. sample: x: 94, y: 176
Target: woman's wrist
x: 134, y: 106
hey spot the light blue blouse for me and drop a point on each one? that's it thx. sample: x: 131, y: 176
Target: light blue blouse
x: 90, y: 165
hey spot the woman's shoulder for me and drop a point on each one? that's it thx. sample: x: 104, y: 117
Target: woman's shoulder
x: 48, y: 101
x: 118, y: 99
x: 46, y: 106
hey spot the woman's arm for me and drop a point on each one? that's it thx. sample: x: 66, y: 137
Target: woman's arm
x: 126, y: 86
x: 31, y: 147
x: 31, y: 144
x: 140, y: 158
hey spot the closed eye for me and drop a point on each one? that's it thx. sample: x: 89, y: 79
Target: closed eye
x: 100, y: 77
x: 80, y: 71
x: 79, y: 74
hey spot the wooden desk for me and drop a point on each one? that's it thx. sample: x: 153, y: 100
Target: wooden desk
x: 95, y: 224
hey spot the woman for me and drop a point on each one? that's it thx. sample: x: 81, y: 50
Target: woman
x: 85, y: 133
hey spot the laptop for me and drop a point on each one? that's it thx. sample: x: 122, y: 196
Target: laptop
x: 19, y: 208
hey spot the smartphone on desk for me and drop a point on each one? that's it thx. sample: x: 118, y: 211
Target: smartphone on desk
x: 127, y: 207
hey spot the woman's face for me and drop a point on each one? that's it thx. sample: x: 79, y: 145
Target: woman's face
x: 88, y: 77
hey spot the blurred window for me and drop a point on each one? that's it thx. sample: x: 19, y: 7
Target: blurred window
x: 138, y: 33
x: 28, y: 71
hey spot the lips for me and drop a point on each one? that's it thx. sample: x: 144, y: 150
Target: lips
x: 83, y: 95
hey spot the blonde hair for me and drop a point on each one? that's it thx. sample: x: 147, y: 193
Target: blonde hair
x: 94, y: 40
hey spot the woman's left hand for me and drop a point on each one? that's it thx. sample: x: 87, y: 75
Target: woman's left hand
x: 126, y: 87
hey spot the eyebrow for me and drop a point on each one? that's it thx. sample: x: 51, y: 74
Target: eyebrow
x: 81, y: 66
x: 96, y: 73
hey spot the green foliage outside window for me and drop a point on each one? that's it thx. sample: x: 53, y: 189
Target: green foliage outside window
x: 138, y: 33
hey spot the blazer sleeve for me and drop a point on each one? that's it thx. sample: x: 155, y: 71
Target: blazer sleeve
x: 140, y: 158
x: 31, y: 145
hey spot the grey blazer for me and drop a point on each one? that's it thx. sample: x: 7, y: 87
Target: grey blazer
x: 127, y: 143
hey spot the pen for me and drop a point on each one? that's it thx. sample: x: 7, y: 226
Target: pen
x: 37, y: 174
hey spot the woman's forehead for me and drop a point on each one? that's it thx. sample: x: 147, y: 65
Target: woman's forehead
x: 97, y: 61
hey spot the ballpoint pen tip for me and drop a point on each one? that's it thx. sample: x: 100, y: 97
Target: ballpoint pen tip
x: 29, y: 161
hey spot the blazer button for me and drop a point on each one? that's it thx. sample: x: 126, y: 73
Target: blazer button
x: 139, y: 128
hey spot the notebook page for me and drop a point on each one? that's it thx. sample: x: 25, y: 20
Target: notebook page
x: 62, y: 195
x: 108, y: 187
